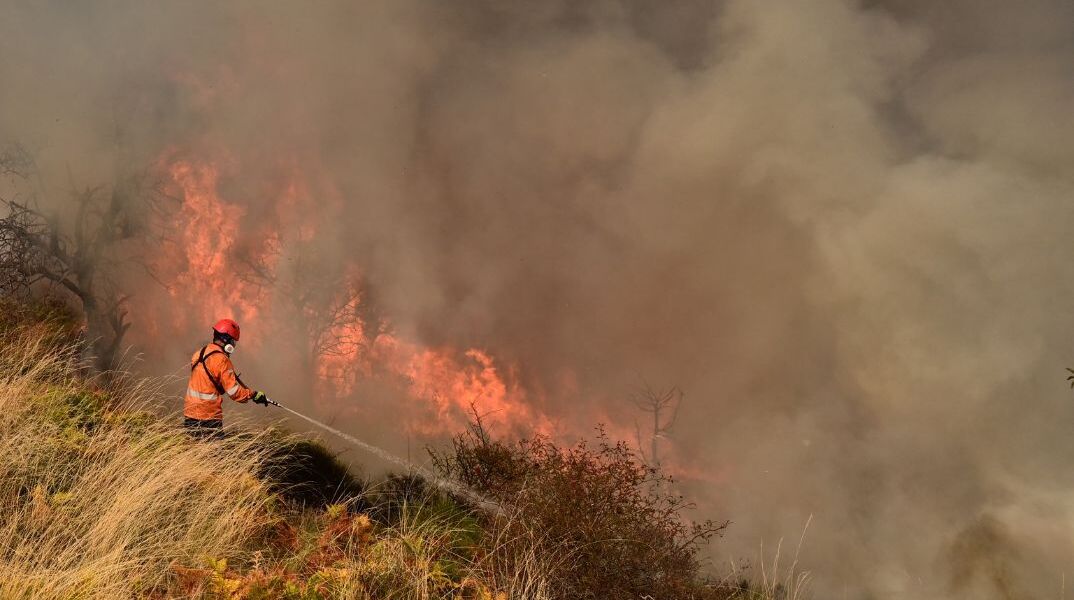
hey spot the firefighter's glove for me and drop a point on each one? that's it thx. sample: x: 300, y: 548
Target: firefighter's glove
x: 260, y: 398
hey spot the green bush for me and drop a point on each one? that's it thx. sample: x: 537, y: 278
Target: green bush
x: 308, y: 473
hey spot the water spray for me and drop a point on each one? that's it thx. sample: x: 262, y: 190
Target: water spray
x: 444, y: 484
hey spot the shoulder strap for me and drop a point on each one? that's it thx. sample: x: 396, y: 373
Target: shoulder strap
x: 201, y: 360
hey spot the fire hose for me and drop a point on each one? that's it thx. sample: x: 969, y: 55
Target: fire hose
x: 441, y: 483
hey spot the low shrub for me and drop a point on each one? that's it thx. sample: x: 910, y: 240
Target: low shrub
x: 615, y: 523
x: 307, y: 473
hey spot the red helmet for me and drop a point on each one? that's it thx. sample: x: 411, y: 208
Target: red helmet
x: 227, y: 327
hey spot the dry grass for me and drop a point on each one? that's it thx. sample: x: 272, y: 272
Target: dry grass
x: 101, y: 499
x: 776, y: 581
x: 434, y: 549
x: 519, y: 558
x: 97, y: 500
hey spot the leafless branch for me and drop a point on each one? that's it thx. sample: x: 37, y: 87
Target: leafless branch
x: 663, y: 405
x: 38, y: 249
x: 16, y: 160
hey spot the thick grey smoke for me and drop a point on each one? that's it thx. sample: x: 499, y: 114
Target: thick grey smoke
x: 840, y: 227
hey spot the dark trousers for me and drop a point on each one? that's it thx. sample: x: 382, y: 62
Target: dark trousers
x: 210, y: 429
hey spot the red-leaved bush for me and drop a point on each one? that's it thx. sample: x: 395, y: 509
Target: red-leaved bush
x: 613, y: 523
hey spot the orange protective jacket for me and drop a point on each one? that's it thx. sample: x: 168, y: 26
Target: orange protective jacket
x: 210, y: 380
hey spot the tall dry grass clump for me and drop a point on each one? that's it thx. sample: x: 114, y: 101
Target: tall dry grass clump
x: 97, y: 498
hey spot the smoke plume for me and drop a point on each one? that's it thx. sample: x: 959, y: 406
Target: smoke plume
x: 838, y: 226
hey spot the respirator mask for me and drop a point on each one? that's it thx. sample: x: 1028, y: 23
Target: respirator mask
x: 226, y: 342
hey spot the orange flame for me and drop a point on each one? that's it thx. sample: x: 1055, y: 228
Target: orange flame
x: 456, y: 386
x: 444, y: 384
x: 207, y: 228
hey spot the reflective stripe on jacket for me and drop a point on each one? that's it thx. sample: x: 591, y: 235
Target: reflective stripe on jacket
x: 203, y: 401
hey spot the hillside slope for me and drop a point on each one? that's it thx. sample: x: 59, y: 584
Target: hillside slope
x: 100, y: 498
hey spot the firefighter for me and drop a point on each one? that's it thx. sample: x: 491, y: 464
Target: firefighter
x: 212, y: 376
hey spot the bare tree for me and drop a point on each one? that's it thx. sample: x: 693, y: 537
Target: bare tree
x: 663, y: 405
x: 334, y: 313
x: 16, y: 161
x: 80, y: 257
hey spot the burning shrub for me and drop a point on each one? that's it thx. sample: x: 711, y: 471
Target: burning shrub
x: 613, y: 521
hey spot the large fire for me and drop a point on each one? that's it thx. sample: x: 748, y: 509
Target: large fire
x: 209, y: 274
x: 314, y: 318
x: 207, y: 228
